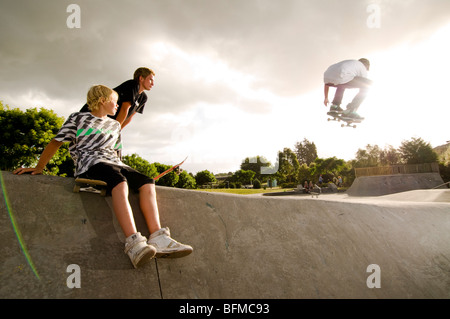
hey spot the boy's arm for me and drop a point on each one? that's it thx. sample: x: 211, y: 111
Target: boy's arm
x: 122, y: 116
x: 46, y: 156
x: 325, y: 91
x: 128, y: 120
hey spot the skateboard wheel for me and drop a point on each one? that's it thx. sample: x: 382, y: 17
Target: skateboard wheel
x: 76, y: 189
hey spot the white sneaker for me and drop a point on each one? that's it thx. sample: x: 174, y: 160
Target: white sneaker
x: 138, y: 250
x: 166, y: 247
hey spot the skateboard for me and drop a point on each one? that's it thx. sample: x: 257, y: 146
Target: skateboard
x: 338, y: 116
x: 314, y: 194
x: 90, y: 186
x: 350, y: 122
x: 175, y: 168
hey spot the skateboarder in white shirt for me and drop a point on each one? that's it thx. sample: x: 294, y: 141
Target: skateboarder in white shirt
x: 347, y: 74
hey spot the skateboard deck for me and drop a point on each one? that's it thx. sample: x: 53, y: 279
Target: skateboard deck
x: 350, y: 122
x: 338, y: 116
x: 90, y: 186
x: 314, y: 194
x: 175, y: 167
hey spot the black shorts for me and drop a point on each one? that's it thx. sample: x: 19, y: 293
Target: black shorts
x: 113, y: 175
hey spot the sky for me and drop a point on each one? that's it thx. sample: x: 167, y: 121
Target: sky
x: 234, y: 78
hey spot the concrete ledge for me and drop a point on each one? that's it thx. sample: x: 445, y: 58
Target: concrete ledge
x: 244, y: 247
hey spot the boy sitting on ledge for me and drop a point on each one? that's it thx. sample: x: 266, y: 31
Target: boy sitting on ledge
x: 95, y: 139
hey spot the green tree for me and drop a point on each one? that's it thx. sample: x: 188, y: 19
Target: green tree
x: 417, y: 151
x: 186, y: 180
x: 140, y: 164
x: 369, y: 157
x: 288, y: 166
x: 170, y: 179
x: 389, y: 156
x: 306, y: 152
x: 328, y: 167
x: 244, y: 176
x: 204, y: 177
x: 25, y: 134
x: 257, y: 165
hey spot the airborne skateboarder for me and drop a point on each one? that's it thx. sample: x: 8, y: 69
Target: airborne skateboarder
x: 348, y: 74
x: 95, y: 139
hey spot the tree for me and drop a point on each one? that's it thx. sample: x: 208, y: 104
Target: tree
x: 170, y: 179
x: 204, y: 177
x: 244, y: 176
x: 389, y: 156
x: 369, y: 157
x: 330, y: 167
x: 255, y: 164
x: 417, y: 151
x: 288, y: 166
x: 306, y: 152
x: 186, y: 180
x: 140, y: 164
x: 25, y: 134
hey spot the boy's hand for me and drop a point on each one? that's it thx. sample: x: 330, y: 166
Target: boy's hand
x: 33, y: 171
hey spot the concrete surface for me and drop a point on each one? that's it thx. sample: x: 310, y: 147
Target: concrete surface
x: 244, y: 246
x: 390, y: 184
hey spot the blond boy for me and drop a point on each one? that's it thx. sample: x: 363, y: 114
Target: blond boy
x: 95, y: 139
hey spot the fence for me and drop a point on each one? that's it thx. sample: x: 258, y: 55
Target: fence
x: 398, y: 169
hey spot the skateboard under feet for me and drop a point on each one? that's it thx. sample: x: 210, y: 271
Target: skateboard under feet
x: 90, y: 186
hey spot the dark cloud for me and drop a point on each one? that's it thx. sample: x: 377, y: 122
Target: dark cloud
x: 284, y: 44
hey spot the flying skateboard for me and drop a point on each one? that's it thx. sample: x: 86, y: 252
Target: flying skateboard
x: 339, y: 116
x: 175, y: 168
x: 90, y: 186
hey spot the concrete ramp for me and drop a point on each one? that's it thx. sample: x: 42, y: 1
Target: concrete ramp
x: 244, y: 247
x: 390, y: 184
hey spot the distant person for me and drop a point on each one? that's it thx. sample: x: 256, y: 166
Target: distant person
x: 94, y: 139
x: 305, y: 187
x: 132, y: 97
x: 339, y: 181
x: 320, y: 180
x: 347, y: 74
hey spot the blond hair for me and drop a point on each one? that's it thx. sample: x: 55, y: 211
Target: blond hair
x: 144, y: 72
x: 99, y: 94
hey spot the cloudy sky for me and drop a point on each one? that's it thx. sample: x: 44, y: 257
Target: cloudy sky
x: 235, y: 78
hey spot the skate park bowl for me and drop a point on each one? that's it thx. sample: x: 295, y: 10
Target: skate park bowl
x: 390, y: 184
x: 60, y: 244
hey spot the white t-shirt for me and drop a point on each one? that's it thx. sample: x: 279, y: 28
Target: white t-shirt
x: 344, y: 71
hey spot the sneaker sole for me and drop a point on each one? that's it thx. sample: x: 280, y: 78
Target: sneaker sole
x: 148, y: 254
x: 174, y: 254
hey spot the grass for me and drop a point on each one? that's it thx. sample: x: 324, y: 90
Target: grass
x: 243, y: 191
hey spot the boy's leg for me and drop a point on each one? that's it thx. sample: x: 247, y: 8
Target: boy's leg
x: 363, y: 85
x: 149, y: 207
x: 136, y: 246
x: 122, y: 209
x: 339, y: 94
x: 160, y: 237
